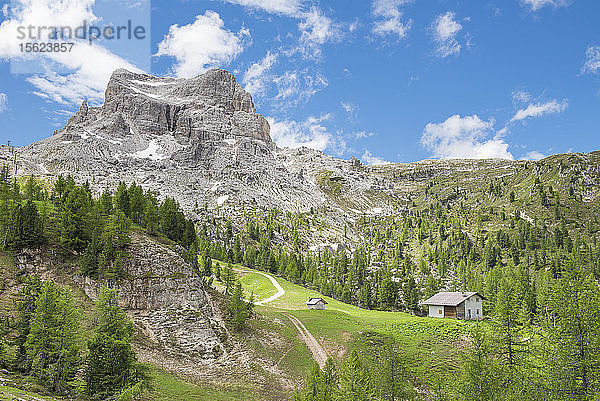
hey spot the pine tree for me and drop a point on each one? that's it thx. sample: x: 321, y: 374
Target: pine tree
x: 228, y: 277
x: 122, y: 201
x: 355, y: 382
x: 52, y: 340
x: 573, y: 342
x: 151, y: 215
x: 238, y: 309
x: 73, y: 220
x: 479, y: 380
x: 391, y: 374
x: 112, y: 365
x: 24, y: 306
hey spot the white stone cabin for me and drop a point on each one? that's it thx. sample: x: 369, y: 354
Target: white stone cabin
x: 316, y: 303
x: 456, y: 305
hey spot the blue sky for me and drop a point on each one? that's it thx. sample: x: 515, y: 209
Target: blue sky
x: 383, y: 80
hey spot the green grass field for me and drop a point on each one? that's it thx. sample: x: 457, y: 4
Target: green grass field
x: 431, y: 346
x: 167, y: 387
x: 257, y: 285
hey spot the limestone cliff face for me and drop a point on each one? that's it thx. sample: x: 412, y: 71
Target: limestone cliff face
x: 162, y: 294
x: 152, y: 120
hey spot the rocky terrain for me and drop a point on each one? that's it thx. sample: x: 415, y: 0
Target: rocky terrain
x: 201, y: 141
x: 165, y: 298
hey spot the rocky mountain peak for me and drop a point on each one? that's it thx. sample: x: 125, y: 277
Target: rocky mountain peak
x: 152, y: 120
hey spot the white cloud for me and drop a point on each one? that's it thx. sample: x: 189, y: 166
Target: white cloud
x: 295, y: 87
x: 444, y: 31
x: 350, y: 109
x: 201, y: 45
x: 535, y: 5
x: 288, y: 89
x: 88, y: 67
x: 3, y: 102
x: 310, y: 133
x: 534, y: 155
x: 316, y: 29
x: 371, y: 160
x: 363, y: 134
x: 521, y: 96
x: 389, y: 18
x: 87, y: 82
x: 256, y: 78
x: 592, y: 60
x: 290, y: 8
x: 464, y: 138
x: 540, y: 109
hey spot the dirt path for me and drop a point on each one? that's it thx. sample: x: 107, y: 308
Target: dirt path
x: 319, y: 354
x: 280, y: 291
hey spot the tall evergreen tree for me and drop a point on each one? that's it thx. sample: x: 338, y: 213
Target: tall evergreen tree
x: 52, y: 340
x: 573, y: 342
x: 356, y: 383
x: 112, y: 365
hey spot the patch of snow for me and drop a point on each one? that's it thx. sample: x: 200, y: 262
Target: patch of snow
x: 135, y: 81
x: 215, y: 187
x: 230, y: 141
x: 151, y: 152
x: 376, y: 210
x: 141, y: 92
x: 222, y: 199
x: 44, y: 169
x: 114, y: 141
x: 84, y: 136
x: 67, y: 142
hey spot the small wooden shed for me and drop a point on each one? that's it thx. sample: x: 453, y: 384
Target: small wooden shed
x: 316, y: 303
x: 456, y: 305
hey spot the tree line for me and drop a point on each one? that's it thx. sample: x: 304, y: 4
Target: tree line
x: 44, y: 340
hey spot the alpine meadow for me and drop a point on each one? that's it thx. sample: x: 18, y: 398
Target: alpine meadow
x: 300, y: 200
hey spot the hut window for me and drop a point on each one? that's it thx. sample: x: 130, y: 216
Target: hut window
x: 440, y: 311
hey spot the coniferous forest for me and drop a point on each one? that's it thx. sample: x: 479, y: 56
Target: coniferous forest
x: 539, y: 276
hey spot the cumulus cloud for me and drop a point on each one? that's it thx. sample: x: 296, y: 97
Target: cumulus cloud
x: 592, y: 60
x: 535, y: 5
x: 282, y: 7
x: 310, y: 133
x: 444, y: 31
x: 533, y: 155
x: 87, y: 68
x: 3, y: 102
x: 540, y: 109
x: 371, y: 160
x: 256, y: 78
x: 389, y: 18
x: 466, y: 137
x: 201, y: 45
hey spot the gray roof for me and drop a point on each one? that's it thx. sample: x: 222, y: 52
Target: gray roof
x: 314, y: 301
x: 449, y: 298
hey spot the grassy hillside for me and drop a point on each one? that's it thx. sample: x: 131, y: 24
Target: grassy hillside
x: 431, y: 346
